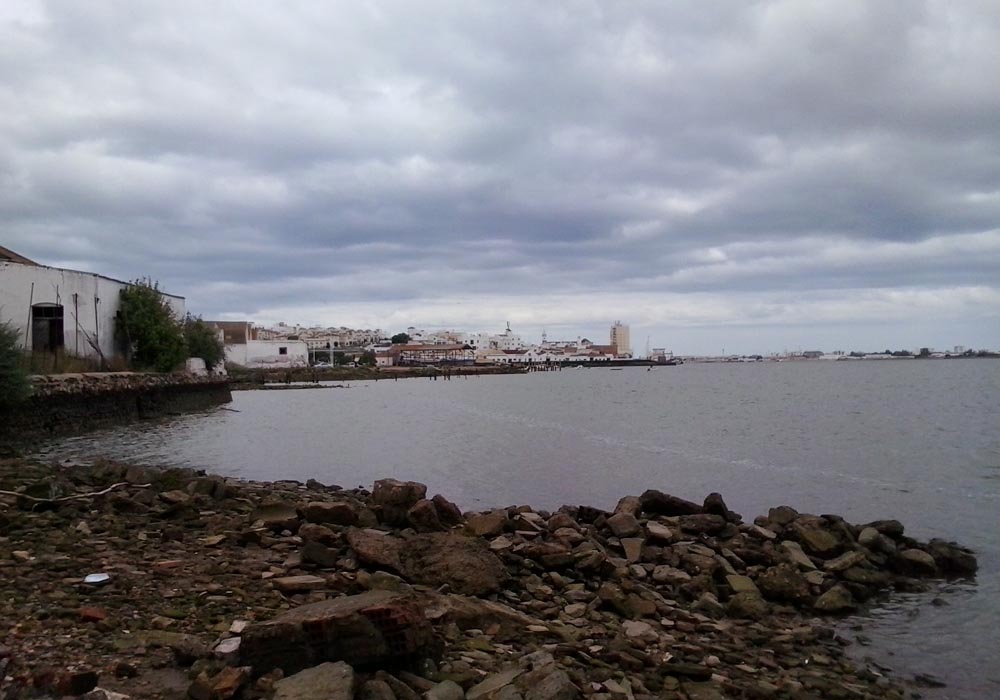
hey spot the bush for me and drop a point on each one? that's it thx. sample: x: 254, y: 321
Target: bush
x: 146, y: 327
x: 14, y: 386
x: 203, y: 341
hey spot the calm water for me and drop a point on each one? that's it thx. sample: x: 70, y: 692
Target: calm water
x: 914, y: 440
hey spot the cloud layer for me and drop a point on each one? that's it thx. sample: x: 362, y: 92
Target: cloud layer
x: 775, y: 166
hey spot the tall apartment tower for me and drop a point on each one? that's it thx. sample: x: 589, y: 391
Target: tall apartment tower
x: 620, y: 339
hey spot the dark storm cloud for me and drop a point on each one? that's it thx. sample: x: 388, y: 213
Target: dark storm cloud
x: 323, y: 159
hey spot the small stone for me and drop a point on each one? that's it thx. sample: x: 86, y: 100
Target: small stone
x: 93, y: 614
x: 21, y: 555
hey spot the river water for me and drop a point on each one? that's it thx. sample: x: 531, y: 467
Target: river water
x: 918, y: 441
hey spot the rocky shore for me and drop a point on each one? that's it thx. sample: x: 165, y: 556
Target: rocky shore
x: 119, y: 580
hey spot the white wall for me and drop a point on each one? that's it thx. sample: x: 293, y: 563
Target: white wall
x: 264, y: 354
x: 58, y: 286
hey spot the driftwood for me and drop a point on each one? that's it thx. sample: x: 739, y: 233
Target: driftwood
x: 74, y: 496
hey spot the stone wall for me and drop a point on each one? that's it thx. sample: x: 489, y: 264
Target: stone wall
x: 70, y: 404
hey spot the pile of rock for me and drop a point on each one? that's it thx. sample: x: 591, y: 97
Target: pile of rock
x: 219, y: 589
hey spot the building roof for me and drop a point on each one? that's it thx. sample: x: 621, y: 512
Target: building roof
x: 7, y: 255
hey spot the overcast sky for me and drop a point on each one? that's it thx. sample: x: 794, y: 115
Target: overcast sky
x: 751, y: 176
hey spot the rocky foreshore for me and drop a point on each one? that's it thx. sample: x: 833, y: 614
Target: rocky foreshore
x: 119, y: 580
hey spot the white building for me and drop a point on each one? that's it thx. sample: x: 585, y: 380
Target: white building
x: 620, y: 339
x: 244, y: 348
x: 54, y: 309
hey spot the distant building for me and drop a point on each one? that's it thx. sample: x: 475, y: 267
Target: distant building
x: 244, y: 347
x: 58, y: 310
x: 620, y: 339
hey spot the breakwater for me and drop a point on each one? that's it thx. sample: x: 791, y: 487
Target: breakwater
x: 70, y: 404
x: 182, y: 584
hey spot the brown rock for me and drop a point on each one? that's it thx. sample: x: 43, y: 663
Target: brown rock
x: 376, y: 548
x: 715, y: 505
x: 623, y: 525
x: 783, y: 583
x: 836, y: 600
x: 338, y: 513
x: 659, y: 503
x: 702, y: 523
x: 376, y: 627
x: 93, y: 614
x: 394, y: 498
x: 815, y: 538
x: 423, y: 516
x: 916, y: 561
x: 465, y: 564
x: 311, y: 532
x: 487, y: 524
x: 320, y: 555
x: 222, y: 686
x: 448, y: 513
x: 276, y: 516
x: 629, y: 504
x: 299, y: 584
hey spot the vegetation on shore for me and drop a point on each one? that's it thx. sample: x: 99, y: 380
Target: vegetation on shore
x: 14, y: 386
x: 153, y: 338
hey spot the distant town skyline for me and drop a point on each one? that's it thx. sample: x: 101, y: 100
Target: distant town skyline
x: 749, y: 176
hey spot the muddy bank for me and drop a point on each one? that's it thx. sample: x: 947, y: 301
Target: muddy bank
x: 71, y: 404
x: 218, y: 588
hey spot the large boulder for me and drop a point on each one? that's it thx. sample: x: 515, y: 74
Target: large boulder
x: 338, y: 513
x: 393, y: 498
x: 953, y: 559
x: 659, y: 503
x: 376, y: 548
x: 465, y: 564
x: 328, y: 681
x: 784, y: 583
x: 376, y: 627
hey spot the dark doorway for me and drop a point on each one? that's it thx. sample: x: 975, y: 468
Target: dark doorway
x: 46, y: 327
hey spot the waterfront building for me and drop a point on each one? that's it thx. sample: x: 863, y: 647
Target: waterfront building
x: 245, y: 347
x: 620, y: 339
x: 57, y: 310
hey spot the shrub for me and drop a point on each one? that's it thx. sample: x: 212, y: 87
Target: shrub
x: 14, y: 386
x: 146, y: 327
x: 203, y: 341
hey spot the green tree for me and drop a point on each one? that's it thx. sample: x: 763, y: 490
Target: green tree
x: 400, y: 339
x: 146, y: 327
x: 14, y: 386
x: 203, y: 341
x: 367, y: 359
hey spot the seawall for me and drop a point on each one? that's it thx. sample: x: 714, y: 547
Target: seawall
x: 70, y: 404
